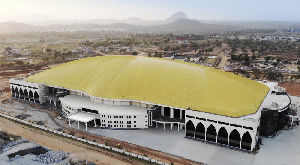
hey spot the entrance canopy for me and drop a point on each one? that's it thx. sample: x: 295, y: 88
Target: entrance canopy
x: 83, y: 117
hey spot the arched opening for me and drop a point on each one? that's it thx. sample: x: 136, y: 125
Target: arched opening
x: 13, y: 94
x: 200, y: 131
x: 26, y: 95
x: 30, y: 96
x: 246, y: 141
x: 211, y: 133
x: 234, y: 138
x: 36, y: 97
x: 17, y: 93
x: 21, y: 94
x: 190, y: 129
x: 223, y: 136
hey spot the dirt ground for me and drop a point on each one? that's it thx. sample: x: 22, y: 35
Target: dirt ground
x: 56, y: 143
x: 291, y: 88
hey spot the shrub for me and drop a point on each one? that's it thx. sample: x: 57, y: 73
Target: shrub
x: 19, y: 62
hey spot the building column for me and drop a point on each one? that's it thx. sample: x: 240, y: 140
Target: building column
x: 78, y: 124
x: 156, y: 124
x: 95, y: 122
x: 180, y: 114
x: 85, y: 126
x: 178, y: 125
x: 162, y: 111
x: 164, y: 126
x: 171, y: 112
x: 69, y: 123
x: 171, y: 125
x: 228, y: 139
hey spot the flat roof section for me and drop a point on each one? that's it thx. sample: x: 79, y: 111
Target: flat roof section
x: 79, y: 102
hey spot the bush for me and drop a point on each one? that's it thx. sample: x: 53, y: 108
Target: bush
x: 106, y: 143
x: 19, y: 62
x: 134, y: 53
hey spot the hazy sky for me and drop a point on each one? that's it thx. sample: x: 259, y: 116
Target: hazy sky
x: 39, y: 10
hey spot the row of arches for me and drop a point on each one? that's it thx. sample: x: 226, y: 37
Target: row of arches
x: 25, y: 94
x: 222, y: 136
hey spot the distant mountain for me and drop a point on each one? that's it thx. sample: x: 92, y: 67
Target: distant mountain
x: 176, y: 16
x: 131, y: 20
x: 256, y: 24
x: 192, y: 26
x: 13, y: 27
x: 179, y: 26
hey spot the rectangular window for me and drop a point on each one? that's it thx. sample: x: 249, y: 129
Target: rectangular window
x: 220, y: 122
x: 248, y: 127
x: 235, y: 125
x: 201, y: 118
x: 128, y: 122
x: 134, y: 125
x: 134, y: 122
x: 212, y: 121
x: 188, y: 116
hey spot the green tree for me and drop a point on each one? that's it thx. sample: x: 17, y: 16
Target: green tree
x: 134, y: 53
x: 183, y: 46
x: 278, y: 59
x: 194, y: 46
x: 267, y: 58
x: 156, y: 54
x: 19, y: 62
x: 210, y: 49
x: 149, y: 54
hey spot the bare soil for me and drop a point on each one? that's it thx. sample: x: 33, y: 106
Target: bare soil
x: 291, y: 88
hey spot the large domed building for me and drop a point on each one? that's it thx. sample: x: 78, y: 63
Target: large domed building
x: 129, y: 92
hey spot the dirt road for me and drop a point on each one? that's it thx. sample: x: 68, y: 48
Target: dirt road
x: 58, y: 143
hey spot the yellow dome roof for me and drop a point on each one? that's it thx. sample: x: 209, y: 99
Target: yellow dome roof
x: 159, y: 81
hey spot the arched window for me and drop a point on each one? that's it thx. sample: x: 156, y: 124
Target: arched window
x: 190, y: 129
x: 26, y: 94
x: 17, y: 92
x: 21, y: 94
x: 30, y: 96
x: 223, y: 136
x: 246, y: 141
x: 200, y: 131
x: 234, y: 138
x: 36, y: 97
x: 211, y: 133
x: 13, y: 94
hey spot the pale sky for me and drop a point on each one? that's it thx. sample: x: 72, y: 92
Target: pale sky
x: 45, y: 10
